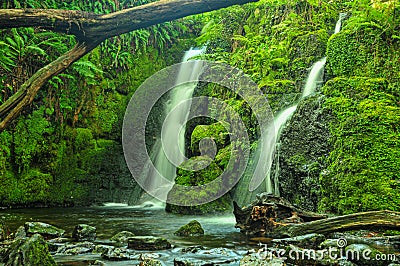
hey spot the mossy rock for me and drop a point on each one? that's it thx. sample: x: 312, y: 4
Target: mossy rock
x: 148, y: 243
x: 84, y: 232
x: 122, y: 237
x: 29, y: 252
x: 48, y: 231
x: 193, y: 228
x: 199, y: 171
x: 217, y: 132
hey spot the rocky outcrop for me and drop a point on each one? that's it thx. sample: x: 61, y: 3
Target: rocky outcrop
x: 191, y: 229
x: 303, y: 148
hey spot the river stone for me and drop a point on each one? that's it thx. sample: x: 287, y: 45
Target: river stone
x: 122, y: 237
x: 75, y: 249
x: 20, y: 233
x: 32, y: 251
x: 193, y: 228
x: 84, y: 232
x: 150, y: 262
x: 254, y: 260
x: 148, y: 243
x: 117, y: 254
x: 46, y: 230
x: 311, y: 241
x: 99, y: 249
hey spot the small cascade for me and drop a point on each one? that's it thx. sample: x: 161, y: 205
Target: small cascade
x: 269, y: 142
x: 169, y: 149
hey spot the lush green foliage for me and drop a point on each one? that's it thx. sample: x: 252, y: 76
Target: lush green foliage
x: 66, y: 149
x: 363, y: 171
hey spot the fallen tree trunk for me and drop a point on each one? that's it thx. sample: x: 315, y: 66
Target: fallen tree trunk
x: 90, y: 30
x: 362, y: 220
x: 272, y: 216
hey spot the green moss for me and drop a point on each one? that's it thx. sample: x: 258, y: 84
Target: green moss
x: 30, y: 252
x: 363, y: 171
x: 217, y: 132
x: 362, y: 51
x: 198, y: 171
x: 193, y: 228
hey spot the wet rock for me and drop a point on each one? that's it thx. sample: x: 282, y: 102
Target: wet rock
x: 3, y: 231
x: 46, y: 230
x: 20, y: 233
x: 389, y: 244
x: 149, y: 256
x: 75, y: 249
x: 191, y: 229
x: 300, y: 256
x: 255, y: 260
x: 99, y: 249
x: 183, y: 261
x: 302, y: 151
x: 150, y: 262
x: 201, y: 256
x: 32, y: 251
x: 122, y: 237
x: 98, y: 263
x: 118, y: 254
x: 311, y: 241
x: 192, y: 249
x: 84, y: 232
x: 148, y: 243
x: 364, y: 255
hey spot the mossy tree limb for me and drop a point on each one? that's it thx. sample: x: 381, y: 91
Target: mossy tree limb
x: 90, y: 30
x: 355, y: 221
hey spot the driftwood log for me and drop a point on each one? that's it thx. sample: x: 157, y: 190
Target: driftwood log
x: 272, y: 216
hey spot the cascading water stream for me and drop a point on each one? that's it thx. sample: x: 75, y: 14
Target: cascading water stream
x: 169, y: 150
x: 270, y: 138
x: 315, y: 76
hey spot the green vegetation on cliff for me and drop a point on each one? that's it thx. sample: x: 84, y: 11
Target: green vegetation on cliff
x: 339, y: 153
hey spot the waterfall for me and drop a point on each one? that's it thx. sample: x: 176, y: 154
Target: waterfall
x: 268, y: 149
x: 169, y: 149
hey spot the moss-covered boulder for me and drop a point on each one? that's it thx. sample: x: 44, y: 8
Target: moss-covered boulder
x: 198, y: 171
x: 216, y: 132
x: 148, y: 243
x: 84, y: 232
x: 122, y: 237
x: 193, y: 228
x: 48, y: 231
x: 29, y: 252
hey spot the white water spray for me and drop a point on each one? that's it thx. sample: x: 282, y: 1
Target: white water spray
x: 169, y: 150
